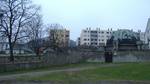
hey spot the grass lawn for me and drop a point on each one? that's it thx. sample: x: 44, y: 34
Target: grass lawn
x: 125, y: 71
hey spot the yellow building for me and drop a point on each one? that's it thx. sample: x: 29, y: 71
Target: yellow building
x: 60, y: 37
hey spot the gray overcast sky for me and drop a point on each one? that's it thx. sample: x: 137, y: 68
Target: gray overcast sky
x: 76, y: 15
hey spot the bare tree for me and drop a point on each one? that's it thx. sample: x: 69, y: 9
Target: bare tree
x: 15, y: 16
x: 35, y: 32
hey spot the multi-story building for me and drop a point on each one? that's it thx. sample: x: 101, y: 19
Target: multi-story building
x: 61, y: 37
x: 147, y: 33
x: 96, y: 37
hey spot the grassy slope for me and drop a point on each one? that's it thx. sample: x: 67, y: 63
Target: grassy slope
x: 129, y: 71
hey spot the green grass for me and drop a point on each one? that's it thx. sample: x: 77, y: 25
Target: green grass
x: 126, y: 71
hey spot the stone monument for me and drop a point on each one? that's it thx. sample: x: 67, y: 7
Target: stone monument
x: 123, y: 39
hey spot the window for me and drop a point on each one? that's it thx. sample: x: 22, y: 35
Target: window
x: 93, y: 35
x: 93, y: 31
x: 85, y: 39
x: 85, y: 31
x: 67, y: 35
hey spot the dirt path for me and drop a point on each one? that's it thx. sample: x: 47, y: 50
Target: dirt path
x: 41, y: 73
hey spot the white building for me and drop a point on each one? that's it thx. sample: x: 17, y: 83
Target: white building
x: 96, y: 37
x: 147, y: 33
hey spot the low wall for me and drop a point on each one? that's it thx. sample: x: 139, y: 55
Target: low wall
x: 66, y: 58
x: 123, y: 56
x: 132, y: 56
x: 49, y: 59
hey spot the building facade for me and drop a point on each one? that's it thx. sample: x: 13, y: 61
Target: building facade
x: 95, y: 37
x: 147, y: 34
x: 61, y: 37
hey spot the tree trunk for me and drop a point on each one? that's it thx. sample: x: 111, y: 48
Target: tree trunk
x: 38, y: 53
x: 11, y: 51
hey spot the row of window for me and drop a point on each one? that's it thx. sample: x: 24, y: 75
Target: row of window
x: 97, y: 32
x: 92, y: 44
x: 96, y: 36
x: 93, y: 39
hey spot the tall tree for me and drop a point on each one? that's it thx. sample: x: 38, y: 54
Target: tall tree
x: 15, y: 16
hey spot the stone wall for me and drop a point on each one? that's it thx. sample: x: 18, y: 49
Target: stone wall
x: 67, y: 58
x: 132, y: 56
x: 123, y: 56
x: 49, y: 59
